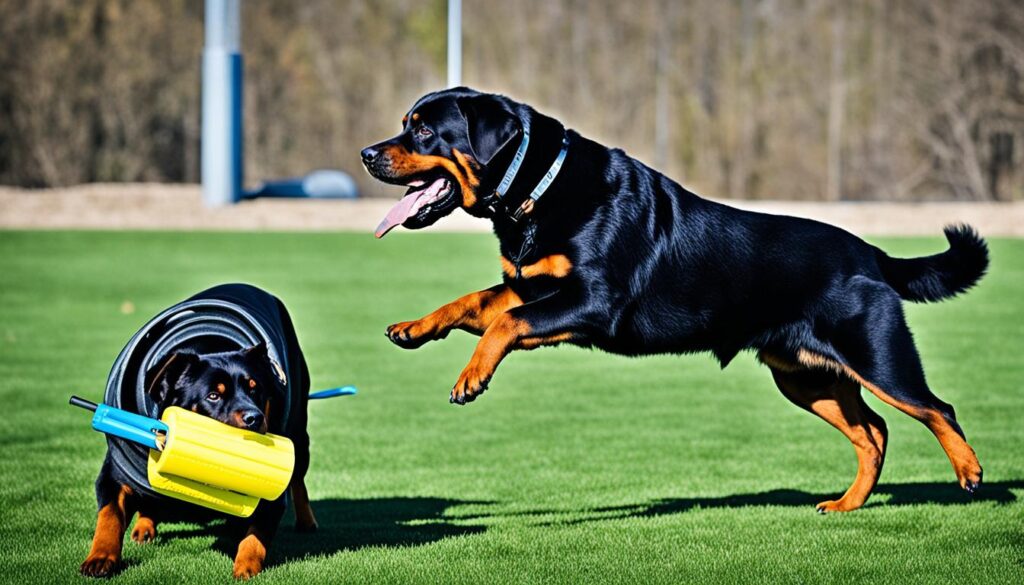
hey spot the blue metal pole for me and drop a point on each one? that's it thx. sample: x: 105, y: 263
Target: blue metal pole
x: 222, y: 104
x: 454, y: 43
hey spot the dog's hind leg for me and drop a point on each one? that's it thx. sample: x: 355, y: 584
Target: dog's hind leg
x: 305, y: 520
x: 836, y: 399
x: 879, y: 354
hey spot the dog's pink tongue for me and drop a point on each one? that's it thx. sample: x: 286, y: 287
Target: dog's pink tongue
x: 399, y: 213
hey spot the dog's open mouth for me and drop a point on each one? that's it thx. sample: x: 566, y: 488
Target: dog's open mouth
x: 421, y: 198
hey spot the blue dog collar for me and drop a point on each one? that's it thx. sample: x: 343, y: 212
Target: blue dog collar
x: 517, y: 161
x: 513, y: 170
x: 549, y: 177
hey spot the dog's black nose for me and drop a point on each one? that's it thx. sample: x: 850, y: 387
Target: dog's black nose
x: 369, y: 154
x: 252, y: 419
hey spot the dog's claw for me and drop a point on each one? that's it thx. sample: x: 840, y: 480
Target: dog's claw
x: 466, y: 390
x: 400, y: 335
x: 970, y: 480
x: 144, y: 532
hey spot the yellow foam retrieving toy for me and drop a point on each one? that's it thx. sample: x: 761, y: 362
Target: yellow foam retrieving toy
x: 211, y: 464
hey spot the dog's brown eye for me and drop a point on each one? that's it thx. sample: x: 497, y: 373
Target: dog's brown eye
x: 423, y: 131
x: 213, y: 396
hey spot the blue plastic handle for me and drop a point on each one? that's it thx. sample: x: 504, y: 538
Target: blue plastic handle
x: 342, y: 391
x: 143, y: 429
x: 127, y: 425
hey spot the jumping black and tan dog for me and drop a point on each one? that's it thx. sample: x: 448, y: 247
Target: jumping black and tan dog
x: 597, y: 249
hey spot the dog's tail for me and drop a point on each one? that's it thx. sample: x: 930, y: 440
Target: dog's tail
x: 944, y: 275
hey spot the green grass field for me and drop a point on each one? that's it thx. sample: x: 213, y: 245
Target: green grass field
x: 576, y: 466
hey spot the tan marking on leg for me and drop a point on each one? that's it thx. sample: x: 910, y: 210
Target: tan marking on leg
x: 535, y: 342
x: 499, y: 338
x: 961, y: 455
x: 111, y: 523
x: 252, y: 553
x: 473, y: 312
x: 778, y: 362
x: 813, y: 360
x: 870, y: 453
x: 839, y: 405
x: 145, y: 528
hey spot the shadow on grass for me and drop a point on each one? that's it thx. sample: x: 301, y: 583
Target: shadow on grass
x: 349, y: 525
x: 355, y: 524
x: 345, y: 525
x: 901, y: 494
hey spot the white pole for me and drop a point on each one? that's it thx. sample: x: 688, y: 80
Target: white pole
x: 221, y: 142
x: 454, y: 43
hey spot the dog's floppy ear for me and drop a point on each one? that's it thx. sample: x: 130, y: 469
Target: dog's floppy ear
x: 490, y: 126
x: 258, y: 357
x: 161, y: 378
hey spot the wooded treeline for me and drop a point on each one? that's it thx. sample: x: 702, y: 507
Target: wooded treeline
x: 786, y: 99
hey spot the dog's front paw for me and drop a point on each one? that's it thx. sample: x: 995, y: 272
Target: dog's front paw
x: 829, y: 506
x: 99, y: 565
x: 247, y: 567
x: 409, y: 334
x: 246, y: 571
x: 471, y: 384
x: 144, y: 531
x: 252, y: 551
x: 970, y: 477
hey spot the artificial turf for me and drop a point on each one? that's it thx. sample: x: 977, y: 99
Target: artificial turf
x: 576, y: 466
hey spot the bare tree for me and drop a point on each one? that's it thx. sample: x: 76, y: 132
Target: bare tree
x: 797, y: 99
